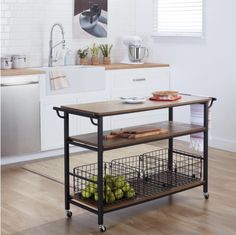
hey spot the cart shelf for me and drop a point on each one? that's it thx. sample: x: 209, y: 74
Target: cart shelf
x: 160, y: 192
x: 174, y: 129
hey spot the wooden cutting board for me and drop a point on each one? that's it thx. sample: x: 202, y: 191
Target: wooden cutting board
x: 139, y: 132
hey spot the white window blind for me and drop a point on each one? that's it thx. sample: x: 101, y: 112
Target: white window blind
x: 177, y: 17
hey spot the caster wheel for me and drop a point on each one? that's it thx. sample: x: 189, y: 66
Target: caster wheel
x: 68, y: 214
x: 206, y: 195
x: 102, y: 228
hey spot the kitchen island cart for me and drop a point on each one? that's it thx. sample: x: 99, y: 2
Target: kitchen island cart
x: 152, y: 175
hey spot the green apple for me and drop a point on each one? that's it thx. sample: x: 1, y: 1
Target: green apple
x: 94, y: 178
x: 110, y: 197
x: 85, y: 193
x: 119, y: 182
x: 126, y: 187
x: 107, y: 189
x: 118, y: 193
x: 92, y: 188
x: 108, y: 179
x: 130, y: 193
x: 96, y: 196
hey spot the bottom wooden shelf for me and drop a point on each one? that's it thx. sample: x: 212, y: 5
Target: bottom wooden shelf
x: 146, y: 191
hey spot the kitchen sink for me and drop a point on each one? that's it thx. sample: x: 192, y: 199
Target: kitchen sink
x: 81, y: 78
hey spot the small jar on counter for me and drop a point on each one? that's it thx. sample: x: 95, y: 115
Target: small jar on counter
x: 6, y: 62
x: 19, y: 61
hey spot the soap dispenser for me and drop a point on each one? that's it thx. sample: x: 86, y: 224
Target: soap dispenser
x: 68, y: 57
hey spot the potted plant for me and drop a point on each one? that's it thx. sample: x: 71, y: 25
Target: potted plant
x: 106, y: 51
x: 83, y: 55
x: 94, y: 51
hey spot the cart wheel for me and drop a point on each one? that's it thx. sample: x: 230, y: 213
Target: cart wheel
x: 102, y: 228
x: 206, y: 195
x: 68, y: 214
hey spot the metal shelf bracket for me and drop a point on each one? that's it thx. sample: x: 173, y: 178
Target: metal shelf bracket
x: 93, y: 122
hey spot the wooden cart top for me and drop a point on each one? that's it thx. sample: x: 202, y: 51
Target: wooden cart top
x: 115, y: 107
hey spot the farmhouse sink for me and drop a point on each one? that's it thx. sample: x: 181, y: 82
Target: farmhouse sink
x: 82, y: 78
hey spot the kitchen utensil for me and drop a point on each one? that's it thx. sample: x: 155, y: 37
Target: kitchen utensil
x: 19, y: 61
x: 6, y: 62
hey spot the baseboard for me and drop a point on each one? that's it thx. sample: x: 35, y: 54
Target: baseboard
x: 218, y: 143
x: 9, y: 160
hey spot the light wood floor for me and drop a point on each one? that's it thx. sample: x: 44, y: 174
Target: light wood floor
x: 33, y: 205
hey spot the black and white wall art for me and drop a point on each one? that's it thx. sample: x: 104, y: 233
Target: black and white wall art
x: 90, y: 19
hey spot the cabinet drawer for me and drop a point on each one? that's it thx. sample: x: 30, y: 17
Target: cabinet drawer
x: 147, y: 79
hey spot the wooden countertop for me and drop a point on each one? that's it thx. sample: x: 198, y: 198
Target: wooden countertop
x: 132, y: 66
x: 19, y: 72
x: 28, y: 71
x: 116, y: 107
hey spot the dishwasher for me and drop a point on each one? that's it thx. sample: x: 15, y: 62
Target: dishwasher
x: 20, y: 115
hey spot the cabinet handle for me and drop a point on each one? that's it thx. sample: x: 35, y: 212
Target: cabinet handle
x: 139, y: 79
x: 18, y: 84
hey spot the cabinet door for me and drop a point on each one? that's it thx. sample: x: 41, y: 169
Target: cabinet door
x: 52, y: 127
x: 139, y: 82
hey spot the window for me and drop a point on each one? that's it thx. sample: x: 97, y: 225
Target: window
x: 177, y: 18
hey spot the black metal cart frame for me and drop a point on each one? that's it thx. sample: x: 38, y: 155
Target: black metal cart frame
x: 97, y: 120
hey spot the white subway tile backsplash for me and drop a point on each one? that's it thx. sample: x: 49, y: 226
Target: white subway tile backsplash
x: 25, y: 27
x: 4, y: 21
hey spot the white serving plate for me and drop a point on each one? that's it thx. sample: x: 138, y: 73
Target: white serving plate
x: 133, y: 99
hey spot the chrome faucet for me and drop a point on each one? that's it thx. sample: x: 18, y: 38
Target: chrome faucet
x: 51, y: 46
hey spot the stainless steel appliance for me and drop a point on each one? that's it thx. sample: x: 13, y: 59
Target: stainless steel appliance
x: 20, y: 117
x: 137, y: 53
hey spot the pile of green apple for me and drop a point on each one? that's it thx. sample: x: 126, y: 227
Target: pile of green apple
x: 114, y: 188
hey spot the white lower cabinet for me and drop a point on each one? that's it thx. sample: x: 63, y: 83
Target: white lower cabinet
x: 124, y: 82
x: 52, y: 130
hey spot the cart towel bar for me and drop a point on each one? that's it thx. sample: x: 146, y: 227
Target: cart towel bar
x: 210, y: 102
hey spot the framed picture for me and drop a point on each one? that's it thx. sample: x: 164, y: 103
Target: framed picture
x: 90, y: 19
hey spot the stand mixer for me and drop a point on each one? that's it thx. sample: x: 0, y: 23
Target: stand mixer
x: 136, y: 52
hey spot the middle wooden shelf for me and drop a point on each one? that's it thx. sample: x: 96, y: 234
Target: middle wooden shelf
x: 173, y: 129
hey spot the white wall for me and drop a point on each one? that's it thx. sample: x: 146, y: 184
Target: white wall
x: 202, y: 66
x: 25, y: 27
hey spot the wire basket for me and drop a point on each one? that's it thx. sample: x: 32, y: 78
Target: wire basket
x: 157, y: 174
x: 138, y: 176
x: 118, y: 182
x: 184, y: 169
